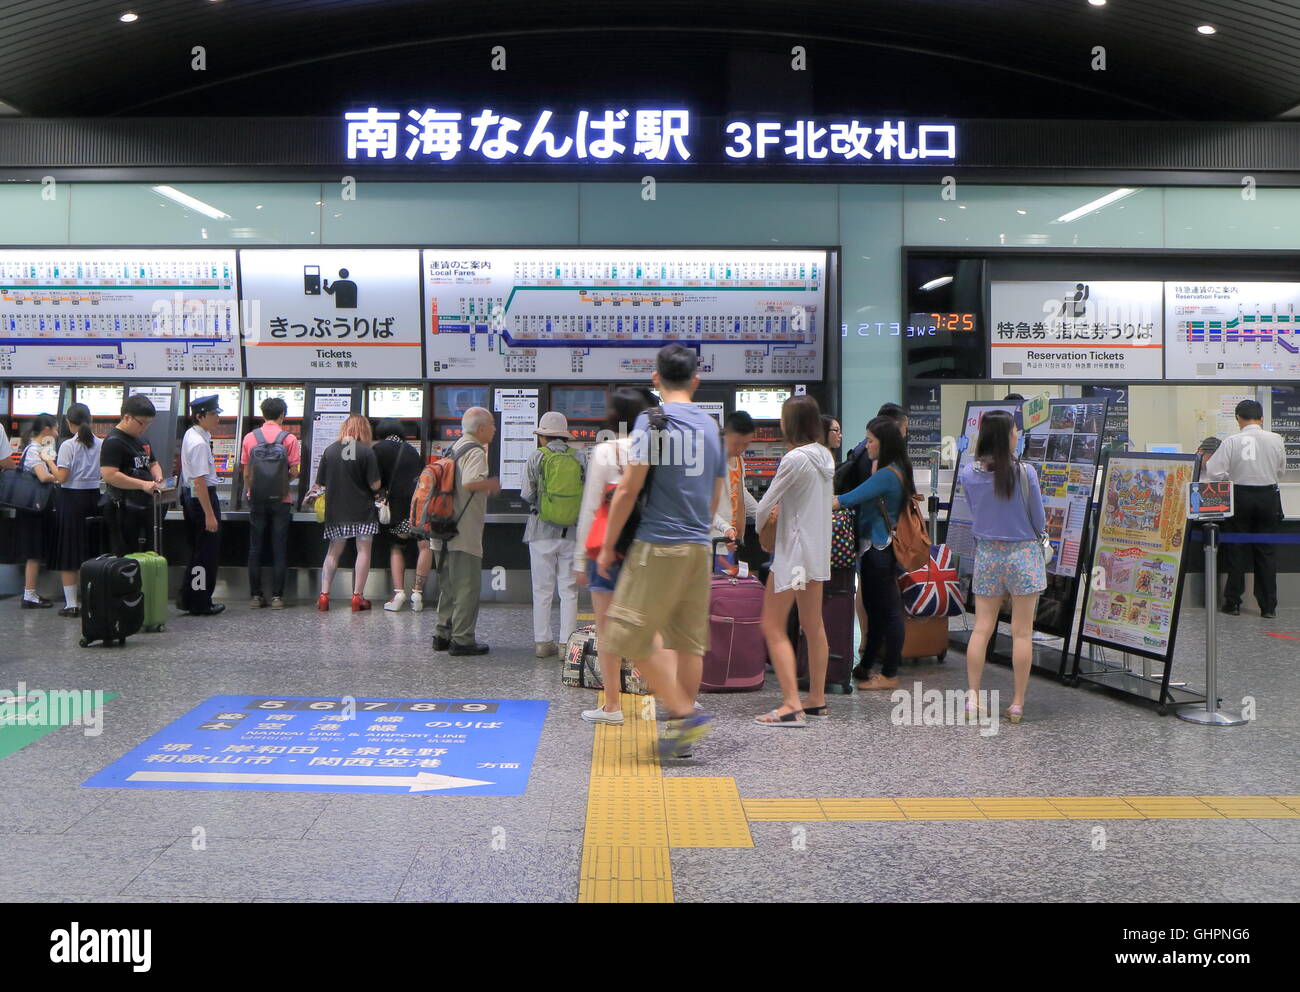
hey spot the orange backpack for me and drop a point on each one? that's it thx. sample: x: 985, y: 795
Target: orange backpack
x: 908, y: 537
x: 433, y: 505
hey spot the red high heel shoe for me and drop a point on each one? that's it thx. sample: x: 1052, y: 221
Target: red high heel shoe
x: 360, y: 605
x: 323, y: 602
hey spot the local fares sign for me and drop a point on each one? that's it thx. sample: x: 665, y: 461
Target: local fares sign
x: 453, y: 135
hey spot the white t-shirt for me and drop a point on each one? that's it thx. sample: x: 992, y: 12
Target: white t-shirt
x: 81, y: 462
x: 5, y: 450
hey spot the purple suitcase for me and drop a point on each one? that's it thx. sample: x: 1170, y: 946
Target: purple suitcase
x: 737, y: 658
x: 839, y: 596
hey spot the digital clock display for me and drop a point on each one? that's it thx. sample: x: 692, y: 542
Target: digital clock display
x: 955, y: 323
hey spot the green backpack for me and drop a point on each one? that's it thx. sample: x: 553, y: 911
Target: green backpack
x: 561, y: 488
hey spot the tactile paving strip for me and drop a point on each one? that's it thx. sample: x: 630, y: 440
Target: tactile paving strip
x: 1024, y: 808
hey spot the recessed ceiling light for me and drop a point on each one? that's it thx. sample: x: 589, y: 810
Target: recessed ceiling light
x: 1097, y: 3
x: 1022, y: 212
x: 1206, y: 29
x: 128, y: 17
x: 259, y: 206
x: 961, y: 206
x: 320, y: 203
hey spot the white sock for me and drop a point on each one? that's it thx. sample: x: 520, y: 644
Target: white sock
x: 30, y: 595
x: 70, y: 595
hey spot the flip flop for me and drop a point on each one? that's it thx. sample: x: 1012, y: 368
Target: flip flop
x: 773, y: 719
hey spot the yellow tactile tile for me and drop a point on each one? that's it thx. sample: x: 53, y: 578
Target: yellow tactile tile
x: 862, y: 809
x: 626, y: 833
x: 1250, y: 807
x: 1291, y: 802
x: 705, y: 812
x: 1094, y: 808
x: 625, y: 787
x: 782, y: 810
x: 625, y: 874
x: 1017, y: 808
x: 1172, y: 807
x: 939, y: 808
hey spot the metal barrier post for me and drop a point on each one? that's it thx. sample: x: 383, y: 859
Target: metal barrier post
x: 1211, y: 714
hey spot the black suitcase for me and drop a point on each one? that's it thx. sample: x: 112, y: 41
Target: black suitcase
x: 112, y: 600
x: 839, y: 597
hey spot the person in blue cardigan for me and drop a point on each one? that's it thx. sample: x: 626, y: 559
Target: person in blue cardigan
x: 890, y: 484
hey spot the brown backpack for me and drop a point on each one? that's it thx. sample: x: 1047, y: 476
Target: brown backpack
x: 908, y: 537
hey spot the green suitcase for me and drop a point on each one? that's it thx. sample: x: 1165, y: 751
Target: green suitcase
x: 153, y: 580
x: 153, y: 576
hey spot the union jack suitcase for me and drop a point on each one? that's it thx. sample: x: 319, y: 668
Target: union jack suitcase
x: 931, y: 595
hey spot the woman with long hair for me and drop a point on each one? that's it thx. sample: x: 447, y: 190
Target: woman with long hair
x: 77, y: 472
x: 1007, y: 512
x: 399, y: 471
x: 604, y: 468
x: 349, y: 476
x: 889, y: 487
x: 36, y: 530
x: 801, y: 560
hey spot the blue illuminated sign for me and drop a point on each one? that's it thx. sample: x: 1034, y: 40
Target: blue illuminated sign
x: 462, y: 747
x: 433, y: 135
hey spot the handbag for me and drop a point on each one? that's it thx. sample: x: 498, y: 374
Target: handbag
x: 908, y: 537
x: 385, y: 512
x: 844, y: 538
x: 1044, y: 542
x: 599, y: 524
x: 21, y: 490
x: 767, y: 536
x: 319, y: 507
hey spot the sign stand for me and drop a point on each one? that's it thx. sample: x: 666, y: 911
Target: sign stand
x: 1210, y: 715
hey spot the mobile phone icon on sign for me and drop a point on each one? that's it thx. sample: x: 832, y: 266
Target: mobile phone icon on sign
x: 311, y: 280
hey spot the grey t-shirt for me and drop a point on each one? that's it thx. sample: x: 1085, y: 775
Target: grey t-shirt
x: 688, y: 463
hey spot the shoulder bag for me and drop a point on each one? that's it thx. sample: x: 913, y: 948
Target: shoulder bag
x: 1044, y: 542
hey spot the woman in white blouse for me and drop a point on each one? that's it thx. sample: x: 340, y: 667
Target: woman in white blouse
x: 801, y: 559
x: 77, y: 472
x: 605, y: 467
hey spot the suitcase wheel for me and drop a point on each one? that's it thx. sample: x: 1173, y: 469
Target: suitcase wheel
x: 84, y: 643
x: 943, y: 656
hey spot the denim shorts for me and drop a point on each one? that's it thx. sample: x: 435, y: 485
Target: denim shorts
x: 597, y: 581
x: 1008, y: 567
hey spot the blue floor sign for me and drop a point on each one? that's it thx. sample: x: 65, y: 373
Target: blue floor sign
x: 462, y: 747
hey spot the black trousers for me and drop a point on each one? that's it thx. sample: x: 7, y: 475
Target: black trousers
x: 273, y: 517
x: 200, y: 575
x: 1258, y: 511
x: 884, y: 606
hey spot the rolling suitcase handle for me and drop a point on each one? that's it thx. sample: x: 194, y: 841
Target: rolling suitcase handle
x: 713, y: 557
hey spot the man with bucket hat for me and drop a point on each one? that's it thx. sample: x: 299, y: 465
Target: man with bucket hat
x: 553, y: 479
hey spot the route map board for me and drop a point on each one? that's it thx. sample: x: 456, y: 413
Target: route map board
x: 603, y: 313
x: 137, y: 313
x: 461, y: 747
x: 1247, y: 331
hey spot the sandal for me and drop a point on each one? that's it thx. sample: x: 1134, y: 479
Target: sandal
x: 878, y: 682
x: 822, y: 711
x: 1014, y: 713
x: 774, y: 719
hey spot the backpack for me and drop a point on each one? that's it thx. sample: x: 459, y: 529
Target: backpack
x: 908, y: 536
x: 560, y: 487
x: 269, y: 461
x: 658, y: 421
x: 433, y: 506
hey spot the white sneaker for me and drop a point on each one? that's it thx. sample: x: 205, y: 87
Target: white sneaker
x: 396, y: 603
x: 598, y: 715
x: 417, y: 601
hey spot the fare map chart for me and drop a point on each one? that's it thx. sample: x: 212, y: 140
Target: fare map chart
x: 141, y: 312
x: 605, y: 313
x: 1241, y: 331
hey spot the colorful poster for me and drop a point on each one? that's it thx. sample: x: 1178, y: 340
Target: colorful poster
x: 1139, y: 552
x: 1077, y: 331
x: 502, y: 314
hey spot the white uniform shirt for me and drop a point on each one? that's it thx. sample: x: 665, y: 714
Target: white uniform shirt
x: 1252, y: 457
x: 81, y: 462
x: 197, y: 462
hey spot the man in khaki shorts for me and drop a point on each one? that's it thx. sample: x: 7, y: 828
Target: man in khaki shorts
x: 664, y: 583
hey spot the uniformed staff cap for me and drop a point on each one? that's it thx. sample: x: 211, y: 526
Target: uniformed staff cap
x: 202, y: 405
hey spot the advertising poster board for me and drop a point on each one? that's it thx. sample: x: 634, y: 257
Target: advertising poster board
x: 331, y: 313
x: 924, y: 422
x: 518, y: 421
x: 134, y: 313
x: 1235, y: 332
x: 1138, y: 554
x: 1076, y: 331
x: 525, y: 314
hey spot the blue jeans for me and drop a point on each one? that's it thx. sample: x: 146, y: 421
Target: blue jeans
x: 276, y: 516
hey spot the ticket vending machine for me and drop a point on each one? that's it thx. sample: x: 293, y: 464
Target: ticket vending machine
x: 295, y: 401
x: 405, y: 402
x: 27, y: 399
x: 329, y: 404
x: 163, y: 436
x: 105, y: 402
x: 449, y: 405
x: 227, y: 435
x: 762, y: 457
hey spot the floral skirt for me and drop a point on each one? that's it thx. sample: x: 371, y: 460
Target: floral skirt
x: 1008, y: 567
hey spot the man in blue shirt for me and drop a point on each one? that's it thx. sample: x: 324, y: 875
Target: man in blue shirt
x: 664, y: 583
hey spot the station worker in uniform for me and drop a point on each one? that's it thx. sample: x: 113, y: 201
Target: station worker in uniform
x: 1253, y: 459
x: 202, y: 510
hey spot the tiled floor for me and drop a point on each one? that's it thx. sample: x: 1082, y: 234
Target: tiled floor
x: 851, y: 789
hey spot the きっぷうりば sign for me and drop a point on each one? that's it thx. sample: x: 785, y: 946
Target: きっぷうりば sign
x: 475, y: 747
